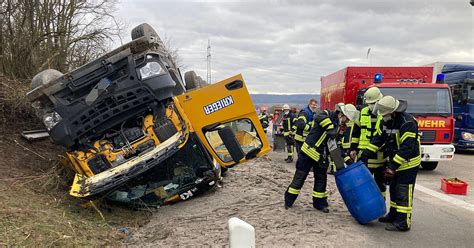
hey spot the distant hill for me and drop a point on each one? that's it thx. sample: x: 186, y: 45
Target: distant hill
x: 272, y: 99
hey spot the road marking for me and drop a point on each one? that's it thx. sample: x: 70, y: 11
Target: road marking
x: 450, y: 199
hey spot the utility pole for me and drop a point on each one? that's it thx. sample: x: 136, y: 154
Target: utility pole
x: 209, y: 61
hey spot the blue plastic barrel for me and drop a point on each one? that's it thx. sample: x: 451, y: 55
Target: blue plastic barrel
x: 360, y: 193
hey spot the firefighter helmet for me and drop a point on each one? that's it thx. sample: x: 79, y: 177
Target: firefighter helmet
x: 286, y: 107
x: 350, y: 111
x: 339, y: 106
x: 372, y: 95
x: 388, y: 105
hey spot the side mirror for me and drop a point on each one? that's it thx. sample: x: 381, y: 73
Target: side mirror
x: 458, y: 94
x: 230, y: 142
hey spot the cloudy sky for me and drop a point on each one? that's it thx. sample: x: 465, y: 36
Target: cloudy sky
x: 286, y: 46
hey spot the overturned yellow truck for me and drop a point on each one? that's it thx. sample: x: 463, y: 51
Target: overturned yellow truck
x: 135, y: 133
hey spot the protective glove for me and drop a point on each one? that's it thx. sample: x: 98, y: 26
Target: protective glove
x: 364, y: 158
x: 353, y: 155
x: 349, y: 162
x: 388, y: 174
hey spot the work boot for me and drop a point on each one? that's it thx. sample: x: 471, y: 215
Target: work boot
x: 287, y: 207
x: 323, y: 209
x: 286, y: 159
x: 386, y: 219
x: 289, y: 160
x: 391, y: 227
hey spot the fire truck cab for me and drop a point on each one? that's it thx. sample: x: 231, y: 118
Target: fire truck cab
x: 430, y: 103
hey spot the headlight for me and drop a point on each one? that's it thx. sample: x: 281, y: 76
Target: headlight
x: 151, y: 69
x: 51, y: 119
x: 467, y: 136
x: 446, y: 149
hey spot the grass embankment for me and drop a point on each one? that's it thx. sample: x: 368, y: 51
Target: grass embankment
x: 35, y: 208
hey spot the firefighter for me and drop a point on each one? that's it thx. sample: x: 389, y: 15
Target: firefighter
x: 340, y: 139
x: 288, y: 119
x: 303, y: 123
x: 312, y: 155
x: 361, y: 133
x: 398, y: 133
x: 263, y: 118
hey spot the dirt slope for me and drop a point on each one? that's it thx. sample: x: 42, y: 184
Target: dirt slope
x: 35, y: 209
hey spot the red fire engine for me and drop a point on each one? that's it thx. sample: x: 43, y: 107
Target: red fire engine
x: 429, y: 102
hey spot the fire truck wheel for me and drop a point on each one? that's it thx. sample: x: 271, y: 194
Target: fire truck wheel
x: 429, y: 165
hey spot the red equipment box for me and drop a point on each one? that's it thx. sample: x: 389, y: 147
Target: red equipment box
x: 454, y: 186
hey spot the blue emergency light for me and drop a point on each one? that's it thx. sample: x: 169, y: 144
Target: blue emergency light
x: 440, y: 78
x: 378, y: 78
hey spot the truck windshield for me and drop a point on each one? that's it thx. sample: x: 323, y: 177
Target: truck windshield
x: 423, y: 100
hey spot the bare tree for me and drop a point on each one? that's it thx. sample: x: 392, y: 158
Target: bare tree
x: 60, y: 34
x: 173, y: 52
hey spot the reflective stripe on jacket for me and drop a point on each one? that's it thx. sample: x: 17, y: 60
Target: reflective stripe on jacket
x: 303, y: 124
x: 401, y: 140
x: 323, y: 129
x: 288, y: 120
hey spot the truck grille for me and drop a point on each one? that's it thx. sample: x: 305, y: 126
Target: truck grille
x: 107, y: 110
x: 428, y: 135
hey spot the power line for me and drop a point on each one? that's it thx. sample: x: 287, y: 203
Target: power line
x: 217, y: 54
x: 301, y: 75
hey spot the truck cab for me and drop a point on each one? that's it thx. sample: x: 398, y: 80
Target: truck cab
x: 430, y: 103
x: 461, y: 80
x: 136, y: 133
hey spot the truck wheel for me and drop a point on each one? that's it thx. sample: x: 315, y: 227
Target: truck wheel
x: 190, y: 80
x: 193, y: 81
x: 429, y: 165
x: 45, y: 77
x: 143, y: 30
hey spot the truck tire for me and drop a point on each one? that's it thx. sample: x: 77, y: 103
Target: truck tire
x: 429, y: 165
x: 45, y: 77
x: 143, y: 30
x: 190, y: 80
x: 193, y: 81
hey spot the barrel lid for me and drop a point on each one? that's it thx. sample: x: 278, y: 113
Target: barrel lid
x: 348, y: 168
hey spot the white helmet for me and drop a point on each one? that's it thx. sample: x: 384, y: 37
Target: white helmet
x: 372, y: 95
x: 286, y: 107
x: 339, y: 106
x: 350, y: 111
x: 388, y: 105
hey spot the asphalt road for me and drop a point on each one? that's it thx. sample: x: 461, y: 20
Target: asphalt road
x: 439, y: 219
